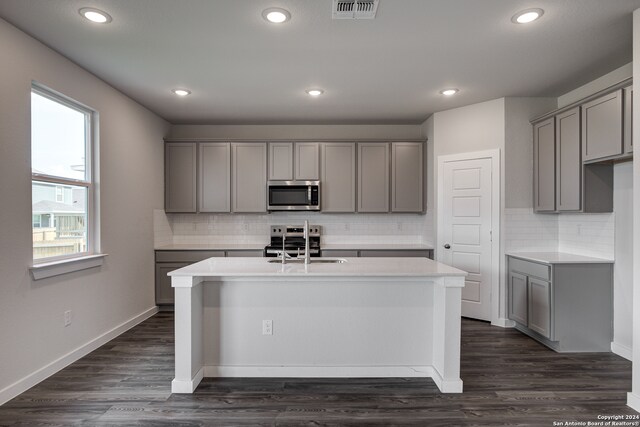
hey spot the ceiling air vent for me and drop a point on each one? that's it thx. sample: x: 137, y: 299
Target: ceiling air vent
x: 355, y: 9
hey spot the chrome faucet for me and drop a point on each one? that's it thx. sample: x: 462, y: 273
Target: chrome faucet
x: 307, y: 257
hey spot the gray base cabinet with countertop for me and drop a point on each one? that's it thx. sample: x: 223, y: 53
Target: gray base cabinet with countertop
x: 566, y: 306
x: 389, y: 253
x: 169, y: 260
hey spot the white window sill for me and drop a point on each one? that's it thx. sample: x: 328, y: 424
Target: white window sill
x: 56, y: 268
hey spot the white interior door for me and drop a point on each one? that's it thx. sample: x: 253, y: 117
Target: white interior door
x: 466, y: 230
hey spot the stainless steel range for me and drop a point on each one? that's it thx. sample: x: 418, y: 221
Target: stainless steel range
x: 292, y: 236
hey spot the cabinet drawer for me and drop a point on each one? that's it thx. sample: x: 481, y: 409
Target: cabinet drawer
x: 245, y: 253
x: 186, y: 256
x: 529, y: 268
x: 413, y: 253
x: 340, y: 253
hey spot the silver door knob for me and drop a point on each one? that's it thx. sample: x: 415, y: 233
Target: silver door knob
x: 447, y: 246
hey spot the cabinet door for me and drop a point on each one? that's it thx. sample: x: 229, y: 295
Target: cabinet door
x: 164, y: 291
x: 307, y: 161
x: 568, y: 161
x: 180, y: 177
x: 338, y: 178
x: 373, y: 177
x: 215, y: 177
x: 544, y: 166
x: 628, y: 119
x: 518, y: 298
x: 249, y: 177
x: 281, y: 161
x: 407, y: 174
x: 602, y: 127
x: 539, y: 307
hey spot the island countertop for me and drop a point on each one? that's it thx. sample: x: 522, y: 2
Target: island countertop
x: 363, y: 267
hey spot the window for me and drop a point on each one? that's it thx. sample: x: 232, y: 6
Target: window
x: 62, y: 181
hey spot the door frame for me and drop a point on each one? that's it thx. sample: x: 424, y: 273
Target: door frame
x: 494, y: 156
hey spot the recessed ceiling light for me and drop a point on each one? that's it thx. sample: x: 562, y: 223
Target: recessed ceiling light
x: 181, y: 92
x: 449, y: 92
x: 315, y: 92
x: 95, y: 15
x: 526, y: 16
x: 275, y: 15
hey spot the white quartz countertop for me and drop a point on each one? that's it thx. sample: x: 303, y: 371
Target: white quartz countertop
x: 559, y: 258
x: 364, y: 267
x: 213, y: 247
x: 374, y: 246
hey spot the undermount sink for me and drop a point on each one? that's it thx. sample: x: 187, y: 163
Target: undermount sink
x: 313, y: 261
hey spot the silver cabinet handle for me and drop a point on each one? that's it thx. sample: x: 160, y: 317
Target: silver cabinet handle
x: 447, y: 246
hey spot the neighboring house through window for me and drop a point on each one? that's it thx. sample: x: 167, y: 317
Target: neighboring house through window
x: 62, y: 184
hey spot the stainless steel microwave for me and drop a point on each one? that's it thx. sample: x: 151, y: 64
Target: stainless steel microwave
x: 293, y: 195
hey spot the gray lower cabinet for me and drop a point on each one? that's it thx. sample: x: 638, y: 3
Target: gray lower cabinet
x: 169, y: 260
x: 249, y: 183
x: 214, y: 190
x: 180, y: 180
x: 628, y: 119
x: 338, y: 177
x: 164, y: 291
x: 544, y: 166
x: 407, y: 177
x: 401, y: 253
x: 568, y: 307
x: 373, y: 177
x: 602, y: 127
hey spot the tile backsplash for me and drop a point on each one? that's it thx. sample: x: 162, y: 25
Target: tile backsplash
x: 254, y: 228
x: 581, y: 234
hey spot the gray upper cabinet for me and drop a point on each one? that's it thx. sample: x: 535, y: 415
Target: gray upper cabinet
x: 307, y: 161
x: 407, y: 177
x: 338, y: 177
x: 628, y: 119
x: 215, y: 177
x: 602, y: 127
x: 568, y: 161
x: 180, y: 179
x: 249, y: 183
x: 281, y: 161
x: 373, y: 177
x: 544, y: 166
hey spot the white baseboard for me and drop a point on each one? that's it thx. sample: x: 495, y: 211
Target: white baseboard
x: 445, y: 386
x: 46, y: 371
x: 633, y: 401
x: 189, y: 386
x: 503, y: 323
x: 622, y: 350
x: 318, y: 371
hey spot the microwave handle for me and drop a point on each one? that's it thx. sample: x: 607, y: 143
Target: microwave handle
x: 309, y: 194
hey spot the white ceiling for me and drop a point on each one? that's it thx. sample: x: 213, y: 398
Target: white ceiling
x: 242, y: 69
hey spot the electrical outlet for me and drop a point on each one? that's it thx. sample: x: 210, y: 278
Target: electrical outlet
x: 267, y: 327
x: 67, y: 318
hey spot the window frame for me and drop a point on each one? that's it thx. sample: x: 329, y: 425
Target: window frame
x: 89, y: 182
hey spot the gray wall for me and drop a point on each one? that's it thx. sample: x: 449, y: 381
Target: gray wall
x: 518, y: 148
x: 131, y: 171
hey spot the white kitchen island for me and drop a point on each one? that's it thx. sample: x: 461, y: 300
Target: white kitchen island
x: 364, y: 317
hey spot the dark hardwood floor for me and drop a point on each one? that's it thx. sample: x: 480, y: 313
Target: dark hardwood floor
x: 509, y: 379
